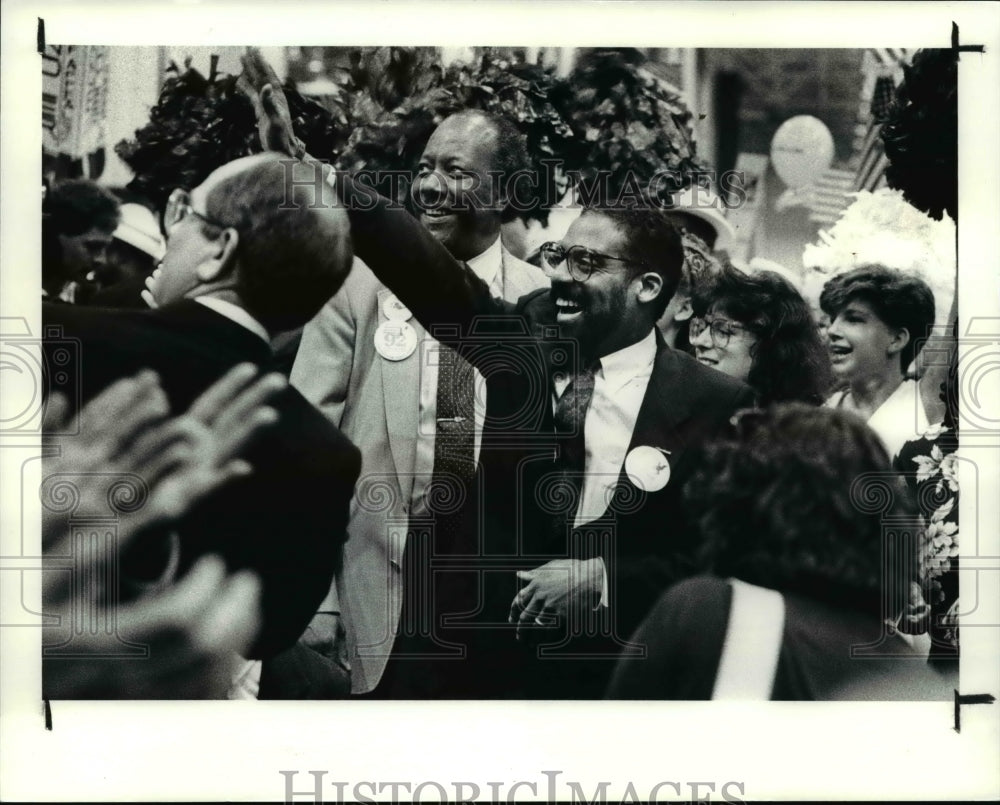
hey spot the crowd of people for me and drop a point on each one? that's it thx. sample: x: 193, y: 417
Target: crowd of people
x: 374, y: 454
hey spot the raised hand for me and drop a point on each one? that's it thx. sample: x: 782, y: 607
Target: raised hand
x: 108, y: 427
x: 262, y: 86
x: 205, y: 441
x: 124, y: 433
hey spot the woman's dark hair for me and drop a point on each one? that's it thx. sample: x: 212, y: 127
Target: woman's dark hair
x: 794, y: 498
x: 789, y: 360
x: 76, y: 206
x: 902, y: 301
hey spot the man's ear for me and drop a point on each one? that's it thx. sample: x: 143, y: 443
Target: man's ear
x: 650, y: 286
x: 223, y: 257
x: 900, y: 339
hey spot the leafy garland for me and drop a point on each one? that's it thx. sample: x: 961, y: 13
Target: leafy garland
x: 199, y: 124
x: 609, y: 117
x: 626, y: 122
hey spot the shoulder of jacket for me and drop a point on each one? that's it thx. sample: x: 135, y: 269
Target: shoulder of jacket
x: 706, y: 382
x: 532, y: 297
x: 359, y: 291
x: 528, y: 275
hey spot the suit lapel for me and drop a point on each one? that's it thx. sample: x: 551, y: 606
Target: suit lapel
x: 664, y: 408
x: 401, y: 401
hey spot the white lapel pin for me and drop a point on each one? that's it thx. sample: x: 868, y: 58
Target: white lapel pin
x: 647, y: 468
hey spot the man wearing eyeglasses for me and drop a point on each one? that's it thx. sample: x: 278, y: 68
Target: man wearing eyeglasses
x: 640, y: 407
x: 623, y: 415
x: 240, y: 265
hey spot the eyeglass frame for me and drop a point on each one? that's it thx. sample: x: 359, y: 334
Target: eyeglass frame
x: 575, y: 271
x: 179, y: 207
x: 699, y: 323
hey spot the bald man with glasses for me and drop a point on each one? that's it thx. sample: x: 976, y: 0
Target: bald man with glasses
x: 220, y: 295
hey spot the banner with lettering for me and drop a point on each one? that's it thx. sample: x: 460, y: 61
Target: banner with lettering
x: 74, y: 104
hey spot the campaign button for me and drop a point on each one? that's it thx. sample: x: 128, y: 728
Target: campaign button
x: 395, y: 310
x: 395, y: 340
x: 647, y: 468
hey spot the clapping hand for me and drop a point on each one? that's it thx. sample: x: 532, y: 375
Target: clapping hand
x: 148, y: 294
x: 194, y: 631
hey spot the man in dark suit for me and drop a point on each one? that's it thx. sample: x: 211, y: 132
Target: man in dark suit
x: 242, y: 263
x: 626, y: 415
x: 580, y: 368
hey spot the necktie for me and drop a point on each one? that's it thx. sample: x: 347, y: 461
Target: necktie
x: 569, y: 418
x: 454, y: 464
x: 452, y: 506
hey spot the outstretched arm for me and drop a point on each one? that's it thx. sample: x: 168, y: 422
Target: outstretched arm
x: 436, y: 287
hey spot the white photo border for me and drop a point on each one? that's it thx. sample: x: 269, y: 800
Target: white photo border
x: 108, y: 751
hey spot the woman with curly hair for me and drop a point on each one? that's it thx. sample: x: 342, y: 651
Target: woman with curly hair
x: 758, y: 328
x: 806, y: 582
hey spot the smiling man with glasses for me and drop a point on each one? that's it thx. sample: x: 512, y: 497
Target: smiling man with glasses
x: 608, y: 278
x: 624, y: 419
x: 589, y: 431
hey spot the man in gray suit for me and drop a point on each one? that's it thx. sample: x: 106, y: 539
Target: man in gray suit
x: 368, y: 365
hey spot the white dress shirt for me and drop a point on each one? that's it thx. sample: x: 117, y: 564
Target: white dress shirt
x: 488, y: 266
x: 619, y: 388
x: 899, y: 419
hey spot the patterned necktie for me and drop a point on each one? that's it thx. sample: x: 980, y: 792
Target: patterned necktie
x: 454, y: 457
x: 452, y: 506
x: 569, y: 418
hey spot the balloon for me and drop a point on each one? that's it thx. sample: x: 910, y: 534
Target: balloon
x: 802, y: 148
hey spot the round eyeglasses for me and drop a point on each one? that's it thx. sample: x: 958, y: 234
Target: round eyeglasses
x: 720, y: 330
x: 581, y: 262
x: 179, y: 207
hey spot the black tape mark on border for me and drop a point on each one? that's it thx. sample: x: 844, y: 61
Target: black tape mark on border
x: 957, y: 48
x: 41, y: 36
x: 48, y: 714
x: 971, y: 698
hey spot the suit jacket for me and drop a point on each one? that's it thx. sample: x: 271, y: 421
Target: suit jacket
x: 376, y: 403
x: 286, y: 521
x: 642, y: 537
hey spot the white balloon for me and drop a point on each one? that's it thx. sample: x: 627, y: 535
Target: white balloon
x: 801, y: 149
